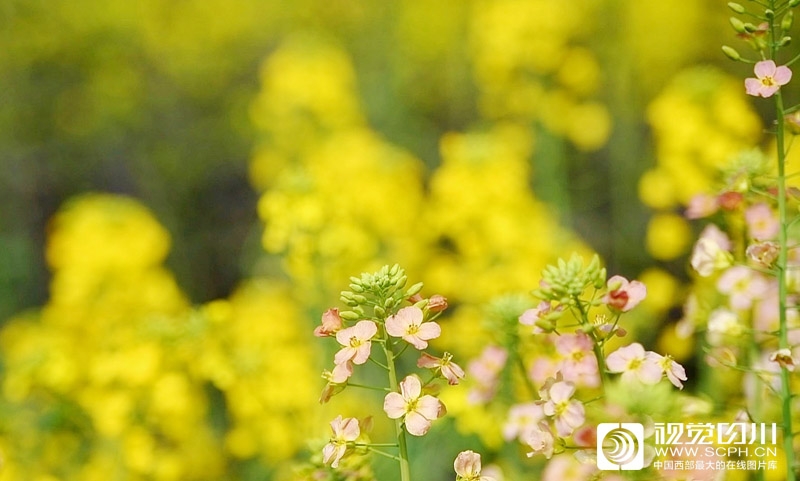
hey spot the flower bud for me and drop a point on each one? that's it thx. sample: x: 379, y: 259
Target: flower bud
x: 736, y: 7
x: 786, y: 40
x: 793, y: 3
x: 731, y: 53
x: 786, y: 21
x: 349, y: 315
x: 737, y: 25
x: 379, y: 311
x: 769, y: 13
x: 750, y: 28
x: 413, y: 290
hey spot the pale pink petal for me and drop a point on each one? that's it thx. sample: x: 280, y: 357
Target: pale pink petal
x: 415, y: 341
x: 429, y: 407
x: 427, y: 361
x: 394, y: 405
x: 362, y: 353
x: 429, y: 330
x: 765, y: 68
x: 365, y: 330
x: 411, y: 315
x: 410, y: 387
x: 467, y: 464
x: 752, y: 86
x: 344, y: 354
x: 342, y: 372
x: 768, y: 91
x: 782, y: 75
x: 650, y: 372
x: 417, y: 424
x: 637, y: 291
x: 349, y: 429
x: 333, y: 454
x: 619, y: 360
x: 395, y: 326
x: 676, y: 373
x: 561, y: 391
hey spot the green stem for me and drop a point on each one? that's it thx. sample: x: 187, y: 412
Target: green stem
x: 405, y: 468
x: 783, y: 240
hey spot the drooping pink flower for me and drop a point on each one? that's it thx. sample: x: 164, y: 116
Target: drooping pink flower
x: 331, y: 323
x: 743, y: 286
x: 540, y: 440
x: 416, y: 409
x: 769, y: 78
x: 567, y: 413
x: 408, y: 324
x: 765, y: 253
x: 624, y: 295
x: 635, y: 364
x: 356, y: 342
x: 521, y: 418
x: 762, y: 223
x: 674, y: 371
x: 344, y: 430
x: 468, y: 467
x: 444, y: 366
x: 784, y: 359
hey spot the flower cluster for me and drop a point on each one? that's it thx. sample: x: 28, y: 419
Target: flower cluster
x: 377, y: 314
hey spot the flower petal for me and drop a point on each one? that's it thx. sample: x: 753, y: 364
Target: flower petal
x: 429, y: 330
x: 782, y: 75
x: 429, y: 406
x: 417, y: 424
x: 765, y: 68
x: 410, y: 387
x: 394, y: 405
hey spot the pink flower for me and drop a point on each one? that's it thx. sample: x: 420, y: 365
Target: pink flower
x: 468, y: 467
x: 356, y: 342
x: 634, y: 363
x: 701, y: 205
x: 541, y: 317
x: 521, y: 419
x: 418, y: 410
x: 484, y: 370
x: 764, y: 253
x: 408, y: 324
x: 568, y: 413
x: 624, y: 295
x: 540, y: 440
x: 578, y: 364
x: 445, y: 366
x: 743, y: 286
x: 344, y: 431
x: 769, y: 78
x: 761, y: 222
x: 674, y: 371
x: 711, y: 251
x: 331, y: 323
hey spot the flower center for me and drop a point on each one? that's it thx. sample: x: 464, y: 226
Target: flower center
x: 355, y: 342
x: 767, y: 81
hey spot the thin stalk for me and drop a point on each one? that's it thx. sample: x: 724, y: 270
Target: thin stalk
x: 783, y: 240
x: 405, y: 468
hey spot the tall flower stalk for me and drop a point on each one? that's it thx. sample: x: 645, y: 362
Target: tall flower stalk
x: 767, y: 39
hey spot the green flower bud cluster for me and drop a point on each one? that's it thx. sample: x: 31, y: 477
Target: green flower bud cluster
x: 377, y: 295
x: 765, y: 35
x: 567, y: 280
